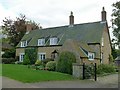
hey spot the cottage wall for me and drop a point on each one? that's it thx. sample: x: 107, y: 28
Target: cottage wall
x: 48, y: 50
x: 106, y: 48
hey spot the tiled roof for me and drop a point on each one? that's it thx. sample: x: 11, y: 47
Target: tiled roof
x: 87, y: 32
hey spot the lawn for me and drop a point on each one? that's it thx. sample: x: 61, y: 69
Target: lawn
x: 27, y: 75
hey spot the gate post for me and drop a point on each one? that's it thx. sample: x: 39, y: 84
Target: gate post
x: 83, y: 71
x: 95, y: 72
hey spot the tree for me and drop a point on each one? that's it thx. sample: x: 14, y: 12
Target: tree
x: 64, y: 63
x: 15, y: 29
x: 116, y: 22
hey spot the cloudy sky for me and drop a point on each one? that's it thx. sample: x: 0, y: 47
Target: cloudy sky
x: 51, y: 13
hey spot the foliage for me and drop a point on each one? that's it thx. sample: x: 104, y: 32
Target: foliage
x: 15, y: 29
x: 115, y: 53
x: 105, y: 68
x: 38, y: 62
x: 111, y: 58
x: 24, y: 74
x: 32, y: 54
x: 26, y: 60
x: 64, y: 63
x: 10, y: 53
x: 51, y: 65
x: 89, y: 71
x: 8, y: 60
x: 44, y: 62
x: 116, y: 22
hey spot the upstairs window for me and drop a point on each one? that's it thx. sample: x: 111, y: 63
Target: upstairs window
x: 23, y: 43
x: 91, y: 56
x: 53, y: 41
x: 41, y: 42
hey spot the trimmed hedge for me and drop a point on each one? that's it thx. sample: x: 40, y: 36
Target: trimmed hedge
x: 64, y: 63
x: 104, y: 68
x: 8, y: 60
x: 51, y: 66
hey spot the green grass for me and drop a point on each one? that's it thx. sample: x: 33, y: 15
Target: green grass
x: 0, y: 69
x: 27, y: 75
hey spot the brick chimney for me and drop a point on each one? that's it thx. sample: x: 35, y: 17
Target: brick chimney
x: 29, y: 27
x: 103, y: 14
x: 71, y: 19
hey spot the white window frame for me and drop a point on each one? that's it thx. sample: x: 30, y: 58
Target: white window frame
x: 41, y: 42
x: 91, y: 56
x: 21, y: 57
x: 53, y: 41
x: 23, y: 43
x: 41, y: 56
x: 102, y: 41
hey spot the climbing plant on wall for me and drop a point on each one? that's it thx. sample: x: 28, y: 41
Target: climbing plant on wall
x: 32, y: 54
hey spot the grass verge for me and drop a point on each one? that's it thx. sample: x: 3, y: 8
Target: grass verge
x: 26, y: 75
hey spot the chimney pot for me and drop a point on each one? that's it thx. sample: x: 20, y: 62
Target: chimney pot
x: 103, y: 14
x: 71, y: 19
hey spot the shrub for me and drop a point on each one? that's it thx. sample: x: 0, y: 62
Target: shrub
x: 44, y: 62
x: 32, y: 54
x: 9, y: 53
x: 104, y: 68
x: 51, y: 65
x: 38, y: 62
x: 26, y: 60
x: 8, y: 60
x: 64, y: 63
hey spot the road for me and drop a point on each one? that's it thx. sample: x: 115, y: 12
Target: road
x: 110, y: 81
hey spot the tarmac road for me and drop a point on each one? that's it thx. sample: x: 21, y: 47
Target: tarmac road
x: 110, y: 81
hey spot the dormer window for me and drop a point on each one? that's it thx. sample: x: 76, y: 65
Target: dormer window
x: 23, y: 43
x: 41, y: 42
x: 53, y: 41
x: 91, y: 56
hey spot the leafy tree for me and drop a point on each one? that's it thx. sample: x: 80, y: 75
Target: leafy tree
x: 64, y: 63
x: 15, y: 29
x: 26, y: 60
x: 116, y: 22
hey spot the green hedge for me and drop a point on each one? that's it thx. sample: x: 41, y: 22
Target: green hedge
x: 105, y: 68
x: 8, y: 60
x: 64, y: 63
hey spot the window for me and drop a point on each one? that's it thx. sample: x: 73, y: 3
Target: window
x: 101, y: 57
x: 42, y: 56
x: 23, y: 43
x: 21, y: 57
x: 91, y: 56
x: 53, y: 41
x: 41, y: 42
x: 102, y: 41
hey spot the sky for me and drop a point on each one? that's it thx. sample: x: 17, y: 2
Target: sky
x: 52, y: 13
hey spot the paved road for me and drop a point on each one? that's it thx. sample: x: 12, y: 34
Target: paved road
x: 110, y: 81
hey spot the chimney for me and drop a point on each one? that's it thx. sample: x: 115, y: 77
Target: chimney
x: 103, y: 14
x: 71, y: 19
x: 29, y: 27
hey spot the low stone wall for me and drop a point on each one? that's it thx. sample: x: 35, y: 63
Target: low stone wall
x: 77, y: 70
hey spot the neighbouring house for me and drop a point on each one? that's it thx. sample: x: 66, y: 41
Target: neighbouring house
x: 90, y: 42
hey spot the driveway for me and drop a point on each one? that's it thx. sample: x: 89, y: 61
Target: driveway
x: 110, y: 81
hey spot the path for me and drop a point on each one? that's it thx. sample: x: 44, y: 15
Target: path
x: 110, y: 81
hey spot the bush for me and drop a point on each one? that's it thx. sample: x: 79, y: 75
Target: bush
x: 9, y: 53
x: 26, y: 60
x: 104, y: 68
x: 8, y: 60
x: 51, y: 65
x: 38, y: 62
x: 64, y: 63
x: 44, y: 62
